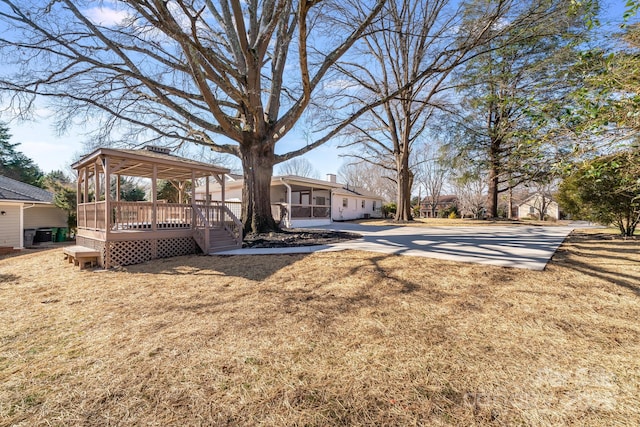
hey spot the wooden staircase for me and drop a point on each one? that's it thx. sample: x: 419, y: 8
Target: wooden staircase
x: 221, y: 240
x: 216, y: 229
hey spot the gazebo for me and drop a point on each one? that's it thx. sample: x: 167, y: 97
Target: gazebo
x: 125, y: 233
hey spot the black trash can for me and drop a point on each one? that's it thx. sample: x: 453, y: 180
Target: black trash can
x: 42, y: 235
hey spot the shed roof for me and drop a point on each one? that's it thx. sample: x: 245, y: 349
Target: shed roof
x: 140, y: 163
x: 12, y: 190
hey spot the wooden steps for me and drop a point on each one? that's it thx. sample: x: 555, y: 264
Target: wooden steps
x: 220, y: 240
x: 81, y: 256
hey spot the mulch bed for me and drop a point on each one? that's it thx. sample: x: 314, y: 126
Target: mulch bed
x: 296, y: 237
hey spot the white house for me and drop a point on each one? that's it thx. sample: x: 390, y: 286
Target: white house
x: 23, y: 206
x: 534, y: 204
x: 298, y: 201
x: 355, y: 203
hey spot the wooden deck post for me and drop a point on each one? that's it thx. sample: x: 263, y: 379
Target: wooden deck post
x: 96, y: 179
x: 107, y: 195
x: 154, y: 198
x: 118, y: 188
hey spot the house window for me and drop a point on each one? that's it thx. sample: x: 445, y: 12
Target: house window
x: 362, y: 204
x: 374, y: 206
x: 532, y: 210
x: 321, y: 200
x: 345, y: 202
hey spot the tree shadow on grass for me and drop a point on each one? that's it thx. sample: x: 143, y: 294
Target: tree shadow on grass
x: 316, y: 293
x: 250, y: 267
x: 5, y: 278
x: 611, y: 257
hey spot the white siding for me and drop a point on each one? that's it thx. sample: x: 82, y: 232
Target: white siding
x: 10, y: 230
x: 354, y: 209
x: 44, y: 216
x: 216, y: 193
x: 278, y: 194
x: 351, y: 211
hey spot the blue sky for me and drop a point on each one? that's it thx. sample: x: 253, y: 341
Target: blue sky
x: 38, y: 139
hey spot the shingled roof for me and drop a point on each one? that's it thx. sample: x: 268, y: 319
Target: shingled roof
x: 16, y: 191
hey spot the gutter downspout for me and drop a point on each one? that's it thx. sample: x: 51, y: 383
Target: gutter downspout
x: 331, y: 205
x: 288, y: 201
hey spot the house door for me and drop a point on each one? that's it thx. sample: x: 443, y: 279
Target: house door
x: 305, y: 198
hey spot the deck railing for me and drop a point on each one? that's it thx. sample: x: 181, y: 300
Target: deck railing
x: 91, y: 216
x: 201, y: 230
x: 220, y: 216
x: 140, y: 215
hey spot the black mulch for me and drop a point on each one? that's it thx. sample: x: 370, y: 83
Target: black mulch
x: 296, y: 237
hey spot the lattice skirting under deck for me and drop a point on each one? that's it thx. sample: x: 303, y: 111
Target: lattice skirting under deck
x: 121, y: 253
x: 168, y: 248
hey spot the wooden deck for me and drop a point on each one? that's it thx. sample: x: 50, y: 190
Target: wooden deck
x: 119, y: 232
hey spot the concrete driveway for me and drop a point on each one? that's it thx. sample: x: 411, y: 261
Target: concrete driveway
x: 509, y: 246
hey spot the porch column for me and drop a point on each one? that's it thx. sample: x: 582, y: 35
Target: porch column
x: 107, y: 194
x: 193, y: 185
x: 154, y: 198
x: 117, y: 188
x: 289, y: 207
x: 311, y: 201
x: 193, y: 198
x: 222, y: 193
x: 96, y: 179
x: 207, y: 198
x: 79, y: 196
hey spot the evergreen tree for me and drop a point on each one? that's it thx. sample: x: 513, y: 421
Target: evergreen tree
x: 14, y: 164
x: 605, y: 190
x: 511, y: 96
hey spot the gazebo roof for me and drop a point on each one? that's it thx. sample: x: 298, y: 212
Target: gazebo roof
x: 140, y: 163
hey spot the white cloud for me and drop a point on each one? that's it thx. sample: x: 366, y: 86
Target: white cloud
x: 106, y: 16
x: 342, y: 84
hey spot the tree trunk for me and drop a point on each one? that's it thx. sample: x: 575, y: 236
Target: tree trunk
x: 257, y: 164
x: 405, y: 182
x: 494, y: 174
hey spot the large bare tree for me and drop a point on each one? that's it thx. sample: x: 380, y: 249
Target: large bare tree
x: 299, y: 167
x: 370, y: 177
x: 432, y: 174
x: 411, y: 52
x: 233, y: 75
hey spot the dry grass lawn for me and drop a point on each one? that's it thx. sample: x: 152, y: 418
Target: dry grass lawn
x: 345, y: 338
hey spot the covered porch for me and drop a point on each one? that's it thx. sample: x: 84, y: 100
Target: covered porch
x: 304, y: 202
x: 125, y: 232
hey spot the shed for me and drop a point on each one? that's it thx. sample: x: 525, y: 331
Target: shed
x: 26, y: 207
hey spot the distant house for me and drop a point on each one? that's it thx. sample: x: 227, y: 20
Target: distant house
x: 298, y: 201
x: 444, y: 203
x: 25, y: 207
x: 532, y: 206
